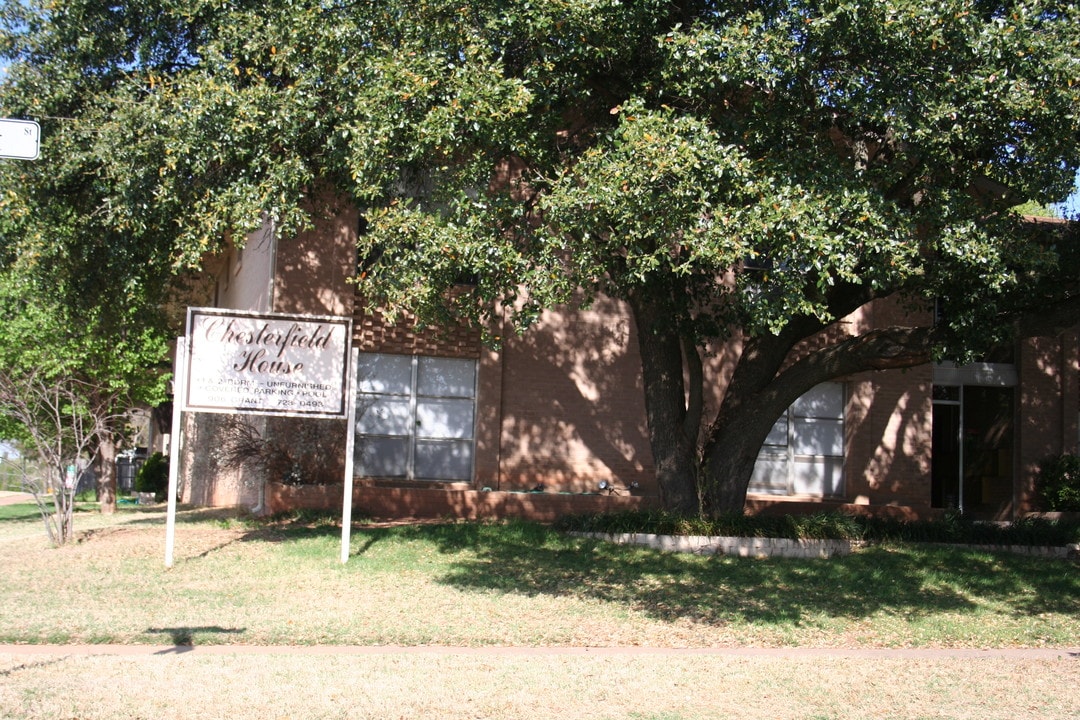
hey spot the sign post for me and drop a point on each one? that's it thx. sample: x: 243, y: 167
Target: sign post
x: 19, y: 139
x: 350, y: 446
x: 174, y: 448
x: 263, y: 364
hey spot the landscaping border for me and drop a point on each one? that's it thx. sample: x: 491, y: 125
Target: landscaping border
x: 758, y: 547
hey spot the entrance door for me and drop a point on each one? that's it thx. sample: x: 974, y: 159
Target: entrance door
x: 946, y: 457
x: 972, y: 467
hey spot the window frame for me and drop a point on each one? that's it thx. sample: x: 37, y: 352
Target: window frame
x: 781, y: 445
x: 416, y: 403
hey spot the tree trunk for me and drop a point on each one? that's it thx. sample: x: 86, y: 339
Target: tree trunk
x: 754, y: 399
x: 760, y: 392
x: 106, y: 474
x: 730, y: 457
x: 671, y: 420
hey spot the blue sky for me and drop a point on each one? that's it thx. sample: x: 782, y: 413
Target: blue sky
x: 1071, y: 207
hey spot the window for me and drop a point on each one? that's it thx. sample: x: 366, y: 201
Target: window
x: 804, y: 452
x: 415, y: 417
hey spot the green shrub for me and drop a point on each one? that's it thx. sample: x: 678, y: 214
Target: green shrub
x: 153, y: 476
x: 1058, y: 483
x: 822, y: 526
x: 952, y: 528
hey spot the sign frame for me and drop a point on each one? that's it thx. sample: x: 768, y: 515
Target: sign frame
x: 281, y: 364
x: 294, y: 340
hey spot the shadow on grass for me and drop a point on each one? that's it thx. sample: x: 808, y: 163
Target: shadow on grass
x: 912, y: 581
x: 31, y: 666
x: 531, y: 559
x: 185, y: 636
x: 19, y: 513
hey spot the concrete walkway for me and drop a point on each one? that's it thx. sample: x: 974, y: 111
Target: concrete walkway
x: 501, y: 651
x: 8, y: 497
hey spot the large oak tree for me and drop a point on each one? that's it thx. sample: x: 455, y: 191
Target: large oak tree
x: 751, y: 169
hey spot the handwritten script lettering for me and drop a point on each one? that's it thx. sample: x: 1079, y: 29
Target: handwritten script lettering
x: 268, y: 363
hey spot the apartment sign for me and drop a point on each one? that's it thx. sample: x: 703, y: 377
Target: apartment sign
x: 270, y: 364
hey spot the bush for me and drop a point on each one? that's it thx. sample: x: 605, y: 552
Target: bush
x: 822, y: 526
x: 1058, y: 483
x: 953, y: 528
x: 153, y: 476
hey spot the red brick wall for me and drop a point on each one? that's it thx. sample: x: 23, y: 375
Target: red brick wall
x: 1048, y: 405
x: 888, y: 437
x: 562, y: 405
x: 572, y: 409
x: 436, y: 503
x: 313, y: 271
x: 373, y: 332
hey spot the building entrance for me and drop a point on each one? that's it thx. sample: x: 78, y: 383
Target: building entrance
x: 973, y: 441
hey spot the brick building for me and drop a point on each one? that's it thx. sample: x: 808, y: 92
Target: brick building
x: 554, y: 420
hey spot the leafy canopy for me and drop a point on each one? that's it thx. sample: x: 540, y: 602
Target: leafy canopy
x: 808, y: 154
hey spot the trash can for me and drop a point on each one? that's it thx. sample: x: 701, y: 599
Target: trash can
x: 127, y: 466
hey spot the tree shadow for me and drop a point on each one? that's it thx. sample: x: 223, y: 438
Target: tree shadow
x: 572, y: 403
x: 713, y: 590
x: 32, y: 666
x: 184, y: 636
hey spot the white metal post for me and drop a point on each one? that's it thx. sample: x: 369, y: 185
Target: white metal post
x: 350, y: 443
x: 179, y: 392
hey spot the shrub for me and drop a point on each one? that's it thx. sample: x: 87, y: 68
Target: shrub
x: 1058, y: 483
x: 952, y: 528
x: 823, y: 526
x: 153, y: 476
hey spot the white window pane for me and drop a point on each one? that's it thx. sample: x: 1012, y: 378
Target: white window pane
x: 443, y: 460
x: 770, y: 475
x: 778, y: 434
x: 384, y: 374
x: 382, y: 415
x: 811, y: 436
x: 446, y: 377
x: 442, y: 418
x: 817, y: 477
x: 824, y: 401
x: 382, y: 457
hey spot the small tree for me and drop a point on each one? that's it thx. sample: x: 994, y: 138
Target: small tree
x: 62, y: 420
x: 153, y: 477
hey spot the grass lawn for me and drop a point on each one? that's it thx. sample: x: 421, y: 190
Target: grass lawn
x: 523, y: 585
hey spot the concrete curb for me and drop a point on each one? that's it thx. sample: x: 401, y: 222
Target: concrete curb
x: 737, y: 546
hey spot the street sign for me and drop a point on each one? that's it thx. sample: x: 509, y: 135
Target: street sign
x: 19, y: 139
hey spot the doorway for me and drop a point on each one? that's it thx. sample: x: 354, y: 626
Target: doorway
x: 972, y: 452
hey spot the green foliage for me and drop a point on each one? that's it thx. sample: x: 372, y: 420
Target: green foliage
x: 153, y: 476
x: 822, y: 526
x: 662, y: 145
x: 1058, y: 483
x: 755, y: 168
x: 953, y: 528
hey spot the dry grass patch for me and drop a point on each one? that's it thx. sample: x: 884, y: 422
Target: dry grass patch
x: 506, y: 686
x: 519, y: 584
x: 516, y: 594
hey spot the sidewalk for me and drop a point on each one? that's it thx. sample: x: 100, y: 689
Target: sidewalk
x: 8, y: 497
x: 504, y: 651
